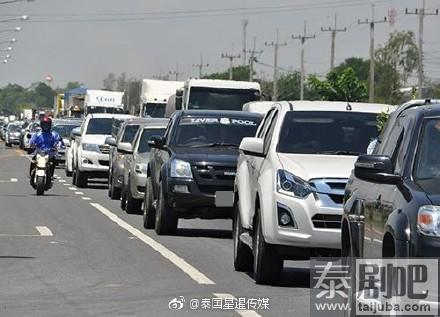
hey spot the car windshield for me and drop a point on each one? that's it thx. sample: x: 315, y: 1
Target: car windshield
x: 211, y: 131
x: 129, y: 133
x: 220, y: 99
x: 100, y: 126
x: 147, y: 134
x: 14, y: 128
x: 326, y: 132
x: 64, y: 130
x: 428, y: 159
x: 154, y: 110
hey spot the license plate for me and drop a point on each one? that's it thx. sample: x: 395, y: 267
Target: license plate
x: 224, y: 199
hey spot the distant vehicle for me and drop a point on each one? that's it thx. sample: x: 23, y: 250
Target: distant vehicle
x: 298, y: 164
x: 392, y: 199
x: 13, y: 132
x: 192, y: 168
x: 64, y: 128
x: 258, y: 106
x: 136, y: 164
x: 90, y: 153
x: 31, y: 129
x: 103, y: 101
x: 213, y: 94
x: 155, y: 95
x: 27, y: 114
x: 126, y: 135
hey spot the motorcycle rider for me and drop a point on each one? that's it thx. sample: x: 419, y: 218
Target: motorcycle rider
x: 45, y: 140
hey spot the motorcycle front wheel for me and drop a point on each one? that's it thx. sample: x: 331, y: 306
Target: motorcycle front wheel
x: 40, y: 184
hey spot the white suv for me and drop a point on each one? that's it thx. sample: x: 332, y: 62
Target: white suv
x: 89, y: 151
x: 290, y: 182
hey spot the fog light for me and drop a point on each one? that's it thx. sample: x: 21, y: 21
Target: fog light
x: 285, y: 216
x: 284, y: 219
x: 86, y: 161
x: 181, y: 189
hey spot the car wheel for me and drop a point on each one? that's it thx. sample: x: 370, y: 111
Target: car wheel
x: 268, y: 264
x: 40, y: 185
x: 114, y: 192
x: 123, y: 197
x: 166, y: 218
x: 68, y: 174
x: 149, y: 211
x: 132, y: 206
x: 242, y: 253
x: 80, y: 179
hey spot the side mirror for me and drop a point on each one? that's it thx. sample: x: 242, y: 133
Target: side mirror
x: 376, y: 169
x: 125, y: 148
x: 75, y: 132
x: 252, y: 146
x: 179, y: 99
x: 157, y: 142
x: 110, y: 141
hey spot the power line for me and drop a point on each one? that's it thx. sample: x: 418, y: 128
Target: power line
x: 333, y: 31
x: 200, y: 66
x: 231, y: 58
x: 253, y: 59
x: 276, y: 45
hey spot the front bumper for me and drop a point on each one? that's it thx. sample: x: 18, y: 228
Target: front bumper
x: 14, y: 139
x: 306, y: 234
x: 137, y: 184
x: 196, y: 203
x: 93, y: 162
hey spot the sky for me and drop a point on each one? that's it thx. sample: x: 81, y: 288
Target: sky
x: 84, y: 40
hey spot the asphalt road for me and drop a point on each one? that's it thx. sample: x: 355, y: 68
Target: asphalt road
x: 73, y: 252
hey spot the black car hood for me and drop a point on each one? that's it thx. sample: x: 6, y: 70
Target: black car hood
x: 212, y: 155
x: 432, y: 189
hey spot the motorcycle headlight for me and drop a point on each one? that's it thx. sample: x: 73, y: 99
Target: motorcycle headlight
x: 428, y: 220
x: 90, y: 147
x: 180, y: 169
x: 141, y: 168
x: 290, y: 185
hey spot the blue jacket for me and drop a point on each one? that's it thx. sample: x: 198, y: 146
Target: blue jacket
x: 47, y: 142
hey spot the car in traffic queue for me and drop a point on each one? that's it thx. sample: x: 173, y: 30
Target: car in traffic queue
x: 89, y: 151
x: 136, y: 159
x: 298, y: 164
x: 31, y: 129
x: 192, y: 167
x: 126, y: 133
x: 64, y: 128
x: 13, y: 132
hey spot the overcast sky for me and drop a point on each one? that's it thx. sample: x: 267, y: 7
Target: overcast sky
x: 124, y: 36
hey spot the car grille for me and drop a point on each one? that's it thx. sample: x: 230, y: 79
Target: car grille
x: 104, y: 163
x: 215, y: 172
x: 327, y: 221
x: 330, y: 192
x: 105, y: 149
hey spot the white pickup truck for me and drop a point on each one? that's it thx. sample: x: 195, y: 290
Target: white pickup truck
x: 90, y: 153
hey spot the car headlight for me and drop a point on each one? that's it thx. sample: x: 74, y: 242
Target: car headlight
x: 428, y: 220
x: 90, y: 147
x: 141, y: 168
x: 290, y: 185
x: 181, y: 169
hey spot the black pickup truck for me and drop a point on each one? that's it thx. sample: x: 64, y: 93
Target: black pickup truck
x: 192, y: 167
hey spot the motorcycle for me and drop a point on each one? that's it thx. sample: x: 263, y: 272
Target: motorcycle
x: 42, y: 173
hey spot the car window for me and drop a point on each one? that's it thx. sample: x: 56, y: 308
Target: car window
x: 263, y: 126
x: 269, y: 134
x: 391, y: 140
x: 146, y: 135
x: 427, y: 165
x: 130, y: 133
x: 167, y: 134
x: 100, y: 126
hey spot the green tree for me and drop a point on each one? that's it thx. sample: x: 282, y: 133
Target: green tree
x: 339, y: 86
x: 72, y: 85
x: 360, y: 66
x: 240, y: 73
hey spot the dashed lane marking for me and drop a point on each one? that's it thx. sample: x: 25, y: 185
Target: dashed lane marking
x: 86, y: 198
x: 44, y: 231
x: 14, y: 180
x: 79, y: 193
x: 243, y: 313
x: 73, y: 188
x: 62, y: 181
x: 194, y: 273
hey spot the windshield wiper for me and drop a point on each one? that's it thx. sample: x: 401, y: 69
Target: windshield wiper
x: 339, y: 153
x: 215, y: 145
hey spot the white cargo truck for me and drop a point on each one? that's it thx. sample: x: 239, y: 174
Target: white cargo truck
x: 103, y: 101
x: 155, y: 95
x: 214, y: 94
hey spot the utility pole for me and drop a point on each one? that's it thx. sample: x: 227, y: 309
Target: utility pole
x: 276, y: 45
x: 421, y: 13
x: 244, y: 24
x: 333, y: 31
x: 252, y: 59
x: 372, y: 23
x: 200, y: 66
x: 231, y: 58
x: 176, y: 72
x: 303, y: 38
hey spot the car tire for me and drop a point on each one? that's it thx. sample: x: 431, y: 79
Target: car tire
x: 132, y: 206
x: 149, y: 211
x: 74, y: 175
x: 114, y: 192
x: 80, y: 179
x: 123, y: 197
x: 243, y: 258
x: 268, y: 264
x: 68, y: 174
x: 166, y: 218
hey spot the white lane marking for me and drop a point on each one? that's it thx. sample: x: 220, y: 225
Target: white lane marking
x: 195, y: 274
x: 79, y: 193
x: 14, y: 180
x: 243, y: 313
x: 66, y: 184
x: 377, y: 241
x: 62, y: 181
x: 86, y: 198
x: 44, y: 231
x: 73, y: 188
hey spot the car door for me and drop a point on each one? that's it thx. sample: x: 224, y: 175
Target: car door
x: 157, y: 158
